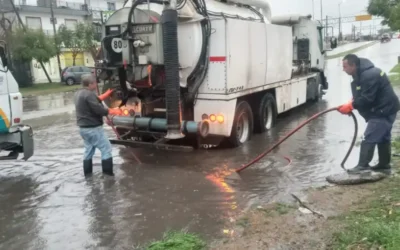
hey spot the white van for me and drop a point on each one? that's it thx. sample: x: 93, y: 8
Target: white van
x: 15, y: 137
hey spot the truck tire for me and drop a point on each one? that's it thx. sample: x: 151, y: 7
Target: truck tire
x: 266, y: 114
x: 318, y: 89
x: 319, y: 93
x: 243, y: 125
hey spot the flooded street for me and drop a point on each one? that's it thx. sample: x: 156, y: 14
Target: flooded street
x: 347, y: 47
x: 48, y: 204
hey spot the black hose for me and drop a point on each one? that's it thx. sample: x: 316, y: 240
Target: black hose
x: 133, y: 7
x: 196, y: 78
x: 202, y: 65
x: 169, y: 20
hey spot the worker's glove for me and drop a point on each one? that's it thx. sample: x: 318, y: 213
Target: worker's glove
x: 115, y: 111
x: 346, y: 108
x: 104, y: 96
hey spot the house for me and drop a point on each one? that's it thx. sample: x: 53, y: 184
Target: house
x: 37, y: 14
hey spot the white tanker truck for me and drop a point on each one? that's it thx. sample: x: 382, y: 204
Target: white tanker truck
x: 201, y: 72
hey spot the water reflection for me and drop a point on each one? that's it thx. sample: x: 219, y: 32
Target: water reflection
x: 100, y: 202
x: 19, y: 224
x: 48, y: 102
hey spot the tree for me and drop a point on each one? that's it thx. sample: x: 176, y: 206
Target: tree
x: 388, y: 9
x: 79, y: 40
x: 32, y: 44
x: 89, y: 40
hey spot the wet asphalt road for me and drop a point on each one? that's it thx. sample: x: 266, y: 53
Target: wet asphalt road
x: 47, y: 204
x: 346, y: 47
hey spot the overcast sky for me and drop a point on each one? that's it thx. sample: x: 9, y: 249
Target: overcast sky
x: 329, y: 7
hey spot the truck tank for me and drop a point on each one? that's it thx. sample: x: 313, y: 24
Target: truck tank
x: 156, y: 54
x: 193, y: 30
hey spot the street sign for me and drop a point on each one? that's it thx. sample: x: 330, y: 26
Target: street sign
x: 363, y: 17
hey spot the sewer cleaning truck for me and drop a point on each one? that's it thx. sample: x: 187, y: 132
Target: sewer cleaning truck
x: 15, y: 137
x: 189, y: 73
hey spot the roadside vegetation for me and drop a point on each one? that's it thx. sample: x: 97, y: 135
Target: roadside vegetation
x: 178, y: 241
x: 25, y: 45
x: 376, y: 225
x: 394, y: 75
x: 47, y: 88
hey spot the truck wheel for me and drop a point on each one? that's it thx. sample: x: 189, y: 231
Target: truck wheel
x: 242, y: 128
x: 319, y: 91
x: 319, y: 94
x: 265, y: 118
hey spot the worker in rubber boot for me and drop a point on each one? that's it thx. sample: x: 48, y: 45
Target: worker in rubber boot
x: 89, y: 116
x: 376, y: 101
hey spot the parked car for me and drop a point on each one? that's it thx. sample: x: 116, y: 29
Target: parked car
x: 72, y: 75
x: 385, y: 38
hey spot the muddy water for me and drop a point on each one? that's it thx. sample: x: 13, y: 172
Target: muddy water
x: 47, y: 204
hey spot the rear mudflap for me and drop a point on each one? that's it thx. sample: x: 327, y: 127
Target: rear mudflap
x: 27, y: 142
x: 23, y: 144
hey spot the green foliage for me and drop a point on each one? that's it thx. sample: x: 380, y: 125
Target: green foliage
x: 178, y: 241
x: 78, y: 40
x: 394, y: 75
x: 396, y: 145
x: 32, y: 44
x: 47, y: 88
x: 388, y: 9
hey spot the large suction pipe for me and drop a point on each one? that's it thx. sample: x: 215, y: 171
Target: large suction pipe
x: 169, y: 20
x: 263, y: 5
x: 201, y: 128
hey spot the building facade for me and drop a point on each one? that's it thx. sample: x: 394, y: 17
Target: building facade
x: 37, y: 14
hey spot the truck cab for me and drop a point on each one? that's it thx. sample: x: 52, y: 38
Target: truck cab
x: 15, y: 137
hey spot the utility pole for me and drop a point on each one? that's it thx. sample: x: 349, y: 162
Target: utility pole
x: 53, y: 20
x: 313, y: 10
x: 340, y: 23
x: 326, y: 28
x: 24, y: 28
x: 322, y: 18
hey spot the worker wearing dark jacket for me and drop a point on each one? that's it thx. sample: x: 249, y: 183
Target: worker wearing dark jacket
x: 376, y: 101
x: 89, y: 116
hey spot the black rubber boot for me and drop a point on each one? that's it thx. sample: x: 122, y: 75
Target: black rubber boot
x: 366, y: 155
x: 107, y: 166
x: 385, y: 156
x: 87, y: 167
